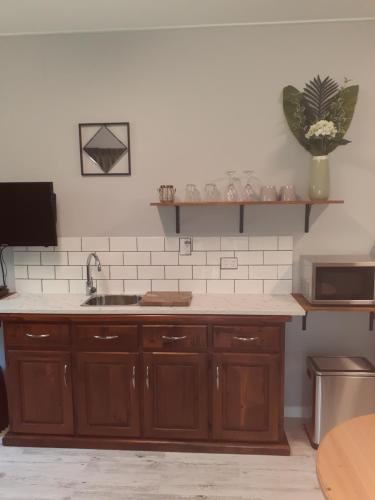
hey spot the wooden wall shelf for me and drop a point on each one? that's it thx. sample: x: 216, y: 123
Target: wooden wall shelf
x: 308, y: 307
x: 242, y: 204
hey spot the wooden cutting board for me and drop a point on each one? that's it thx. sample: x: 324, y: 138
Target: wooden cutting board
x: 167, y: 299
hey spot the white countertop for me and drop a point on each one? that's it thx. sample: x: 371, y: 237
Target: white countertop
x: 237, y: 304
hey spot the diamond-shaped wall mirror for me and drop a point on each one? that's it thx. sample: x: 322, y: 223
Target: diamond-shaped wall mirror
x: 105, y: 148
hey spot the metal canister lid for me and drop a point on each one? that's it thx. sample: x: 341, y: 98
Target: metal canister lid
x: 340, y: 364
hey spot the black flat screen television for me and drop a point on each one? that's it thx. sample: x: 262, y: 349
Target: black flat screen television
x: 27, y: 214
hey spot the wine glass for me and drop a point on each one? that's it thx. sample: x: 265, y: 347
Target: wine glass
x: 249, y: 190
x: 232, y: 192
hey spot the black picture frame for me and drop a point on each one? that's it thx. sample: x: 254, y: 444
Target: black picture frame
x: 84, y: 157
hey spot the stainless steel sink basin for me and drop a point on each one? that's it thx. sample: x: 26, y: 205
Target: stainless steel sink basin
x: 112, y: 300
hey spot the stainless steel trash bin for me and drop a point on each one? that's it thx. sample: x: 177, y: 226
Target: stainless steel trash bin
x: 341, y: 388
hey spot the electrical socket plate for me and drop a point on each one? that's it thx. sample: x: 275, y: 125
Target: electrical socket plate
x: 228, y: 263
x: 185, y: 246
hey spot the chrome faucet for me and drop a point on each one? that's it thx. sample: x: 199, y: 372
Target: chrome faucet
x: 90, y: 288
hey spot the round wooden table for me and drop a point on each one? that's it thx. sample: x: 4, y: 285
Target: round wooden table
x: 346, y: 460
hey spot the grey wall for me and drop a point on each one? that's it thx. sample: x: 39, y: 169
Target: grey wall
x: 199, y: 102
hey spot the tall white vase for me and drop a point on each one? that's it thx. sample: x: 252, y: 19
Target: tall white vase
x: 319, y: 178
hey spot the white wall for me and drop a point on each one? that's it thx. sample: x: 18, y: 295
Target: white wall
x: 199, y: 102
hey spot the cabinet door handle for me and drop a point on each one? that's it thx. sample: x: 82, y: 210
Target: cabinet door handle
x: 147, y: 377
x: 66, y: 375
x: 173, y: 339
x: 38, y: 335
x: 106, y: 337
x: 217, y: 377
x: 133, y: 377
x: 247, y: 339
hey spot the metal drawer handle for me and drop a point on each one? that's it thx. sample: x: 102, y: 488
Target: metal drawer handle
x: 217, y: 377
x: 65, y: 375
x: 172, y: 339
x: 147, y: 377
x: 247, y: 339
x: 38, y: 335
x: 106, y: 337
x: 133, y: 377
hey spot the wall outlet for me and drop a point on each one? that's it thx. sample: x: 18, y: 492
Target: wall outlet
x: 228, y: 263
x: 185, y: 246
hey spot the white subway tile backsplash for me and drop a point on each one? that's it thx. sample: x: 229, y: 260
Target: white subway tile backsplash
x: 41, y: 272
x: 241, y: 273
x: 69, y: 243
x: 54, y: 258
x: 95, y: 243
x: 263, y: 242
x: 263, y: 272
x: 179, y: 272
x: 123, y: 243
x: 68, y: 272
x: 206, y: 272
x: 172, y: 244
x: 55, y: 286
x: 206, y: 244
x: 164, y: 258
x: 234, y: 243
x: 139, y: 264
x: 150, y: 243
x: 124, y: 272
x: 151, y: 272
x: 196, y: 258
x: 249, y: 258
x: 249, y: 286
x: 285, y: 272
x: 278, y: 286
x: 164, y: 285
x: 220, y: 286
x: 111, y: 258
x: 20, y: 272
x: 29, y: 286
x: 137, y: 258
x: 137, y: 286
x: 285, y: 242
x: 26, y: 258
x: 194, y: 286
x: 278, y: 257
x: 213, y: 258
x: 110, y: 286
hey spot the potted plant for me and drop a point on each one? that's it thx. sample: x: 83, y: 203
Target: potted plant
x: 319, y: 118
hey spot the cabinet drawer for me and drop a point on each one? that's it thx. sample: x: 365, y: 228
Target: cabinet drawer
x: 106, y: 337
x: 37, y: 335
x: 247, y: 338
x: 174, y: 338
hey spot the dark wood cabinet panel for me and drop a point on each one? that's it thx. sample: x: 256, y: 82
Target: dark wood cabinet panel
x: 247, y: 338
x: 174, y: 338
x: 37, y: 336
x: 175, y: 396
x: 110, y: 338
x: 107, y: 394
x: 246, y: 397
x: 40, y: 392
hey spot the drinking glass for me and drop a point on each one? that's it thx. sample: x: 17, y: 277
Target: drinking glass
x: 232, y: 191
x: 249, y: 190
x: 268, y: 193
x: 211, y: 192
x: 192, y: 193
x: 288, y: 193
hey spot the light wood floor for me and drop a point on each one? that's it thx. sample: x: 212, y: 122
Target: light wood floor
x: 66, y: 474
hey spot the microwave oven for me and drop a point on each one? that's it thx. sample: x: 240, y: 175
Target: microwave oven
x: 338, y: 279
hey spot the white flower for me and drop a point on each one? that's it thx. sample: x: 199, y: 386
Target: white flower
x: 322, y: 128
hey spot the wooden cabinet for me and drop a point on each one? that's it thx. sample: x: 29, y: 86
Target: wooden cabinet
x: 246, y: 397
x: 107, y: 394
x: 40, y: 392
x: 181, y: 382
x: 175, y: 396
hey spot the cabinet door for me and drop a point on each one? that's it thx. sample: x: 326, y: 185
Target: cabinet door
x: 40, y: 392
x: 246, y: 397
x: 175, y: 395
x: 107, y: 400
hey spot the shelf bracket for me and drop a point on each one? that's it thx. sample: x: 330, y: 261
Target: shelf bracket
x: 372, y: 318
x: 241, y: 218
x: 307, y: 217
x: 177, y: 219
x: 304, y: 321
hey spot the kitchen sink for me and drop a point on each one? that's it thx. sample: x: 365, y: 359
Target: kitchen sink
x: 112, y: 300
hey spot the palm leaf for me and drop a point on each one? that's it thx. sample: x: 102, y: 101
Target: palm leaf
x: 318, y: 96
x: 294, y: 111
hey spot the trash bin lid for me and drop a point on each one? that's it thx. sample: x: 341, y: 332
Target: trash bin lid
x: 324, y: 364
